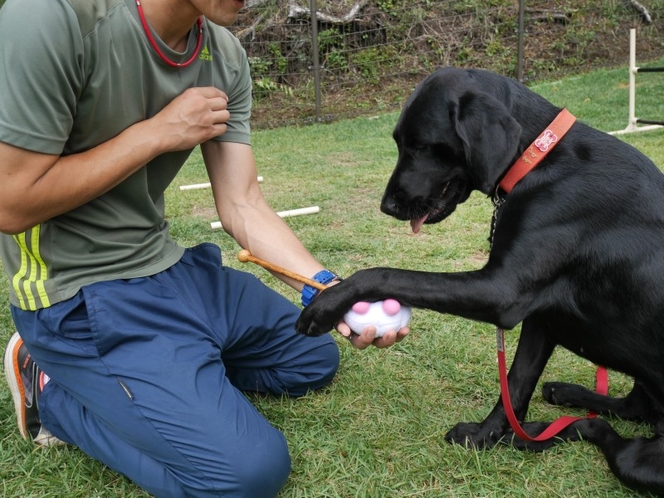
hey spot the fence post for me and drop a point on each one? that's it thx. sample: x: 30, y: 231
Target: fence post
x: 316, y: 61
x: 519, y: 55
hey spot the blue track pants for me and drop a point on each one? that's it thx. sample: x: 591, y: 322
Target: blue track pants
x: 147, y: 376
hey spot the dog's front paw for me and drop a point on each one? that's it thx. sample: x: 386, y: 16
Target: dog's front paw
x: 312, y: 323
x: 326, y: 310
x: 474, y: 435
x: 307, y: 326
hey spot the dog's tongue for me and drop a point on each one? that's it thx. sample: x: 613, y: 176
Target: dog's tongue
x: 416, y: 224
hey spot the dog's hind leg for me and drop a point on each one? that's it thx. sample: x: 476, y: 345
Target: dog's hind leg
x: 637, y: 405
x: 637, y: 462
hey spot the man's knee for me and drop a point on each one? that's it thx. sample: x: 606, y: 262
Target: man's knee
x: 314, y: 370
x: 329, y: 363
x: 261, y: 471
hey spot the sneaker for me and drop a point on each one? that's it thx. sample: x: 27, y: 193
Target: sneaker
x: 26, y: 383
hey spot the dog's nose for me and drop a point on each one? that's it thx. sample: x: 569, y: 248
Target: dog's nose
x: 389, y: 205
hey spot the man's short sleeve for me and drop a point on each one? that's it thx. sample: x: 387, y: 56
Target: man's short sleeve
x: 232, y: 76
x: 40, y: 73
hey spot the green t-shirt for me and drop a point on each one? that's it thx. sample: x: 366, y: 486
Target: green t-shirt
x: 74, y: 74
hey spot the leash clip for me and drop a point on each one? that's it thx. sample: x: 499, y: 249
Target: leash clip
x: 500, y: 340
x: 497, y: 200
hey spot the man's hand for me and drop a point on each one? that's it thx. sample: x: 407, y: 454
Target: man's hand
x: 368, y: 336
x: 196, y: 116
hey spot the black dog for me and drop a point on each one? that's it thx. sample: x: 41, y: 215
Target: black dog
x: 577, y: 256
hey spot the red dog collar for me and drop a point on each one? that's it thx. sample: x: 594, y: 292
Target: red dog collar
x: 538, y: 150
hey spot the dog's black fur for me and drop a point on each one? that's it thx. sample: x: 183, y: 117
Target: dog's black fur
x: 577, y: 256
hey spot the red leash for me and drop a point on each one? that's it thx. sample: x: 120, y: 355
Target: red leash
x: 530, y: 158
x: 557, y: 425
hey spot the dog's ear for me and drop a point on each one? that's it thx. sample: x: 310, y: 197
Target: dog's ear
x: 490, y: 137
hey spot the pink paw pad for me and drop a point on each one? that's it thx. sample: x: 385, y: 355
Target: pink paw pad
x: 391, y: 307
x: 361, y: 307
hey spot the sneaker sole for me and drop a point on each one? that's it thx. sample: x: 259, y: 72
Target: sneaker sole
x: 14, y: 381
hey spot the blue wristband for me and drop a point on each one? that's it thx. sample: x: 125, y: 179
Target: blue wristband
x: 309, y: 292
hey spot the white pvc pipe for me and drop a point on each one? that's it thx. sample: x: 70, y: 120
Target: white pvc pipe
x: 632, y: 124
x: 282, y: 214
x: 298, y: 212
x: 198, y: 186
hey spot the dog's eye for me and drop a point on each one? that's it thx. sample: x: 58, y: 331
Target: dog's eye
x: 444, y: 150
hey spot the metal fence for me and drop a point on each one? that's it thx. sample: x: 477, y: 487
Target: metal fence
x: 365, y: 56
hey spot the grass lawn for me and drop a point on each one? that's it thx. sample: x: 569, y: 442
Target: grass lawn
x: 377, y: 430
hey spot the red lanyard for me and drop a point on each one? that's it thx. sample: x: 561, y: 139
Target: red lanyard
x: 199, y: 39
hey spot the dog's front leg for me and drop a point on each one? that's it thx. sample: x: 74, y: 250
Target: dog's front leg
x: 483, y: 295
x: 532, y: 354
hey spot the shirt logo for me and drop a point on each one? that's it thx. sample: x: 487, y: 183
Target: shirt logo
x: 205, y: 54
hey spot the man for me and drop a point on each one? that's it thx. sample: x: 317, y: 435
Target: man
x: 143, y: 347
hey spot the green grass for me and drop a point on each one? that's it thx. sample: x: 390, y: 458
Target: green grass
x: 377, y: 430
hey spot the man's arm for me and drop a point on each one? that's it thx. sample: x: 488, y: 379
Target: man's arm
x: 246, y: 216
x: 35, y: 187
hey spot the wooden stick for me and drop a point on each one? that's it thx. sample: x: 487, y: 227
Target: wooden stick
x: 245, y: 256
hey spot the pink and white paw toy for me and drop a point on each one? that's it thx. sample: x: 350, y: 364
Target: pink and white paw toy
x: 384, y: 315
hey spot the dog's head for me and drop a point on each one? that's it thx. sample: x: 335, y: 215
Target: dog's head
x: 454, y: 136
